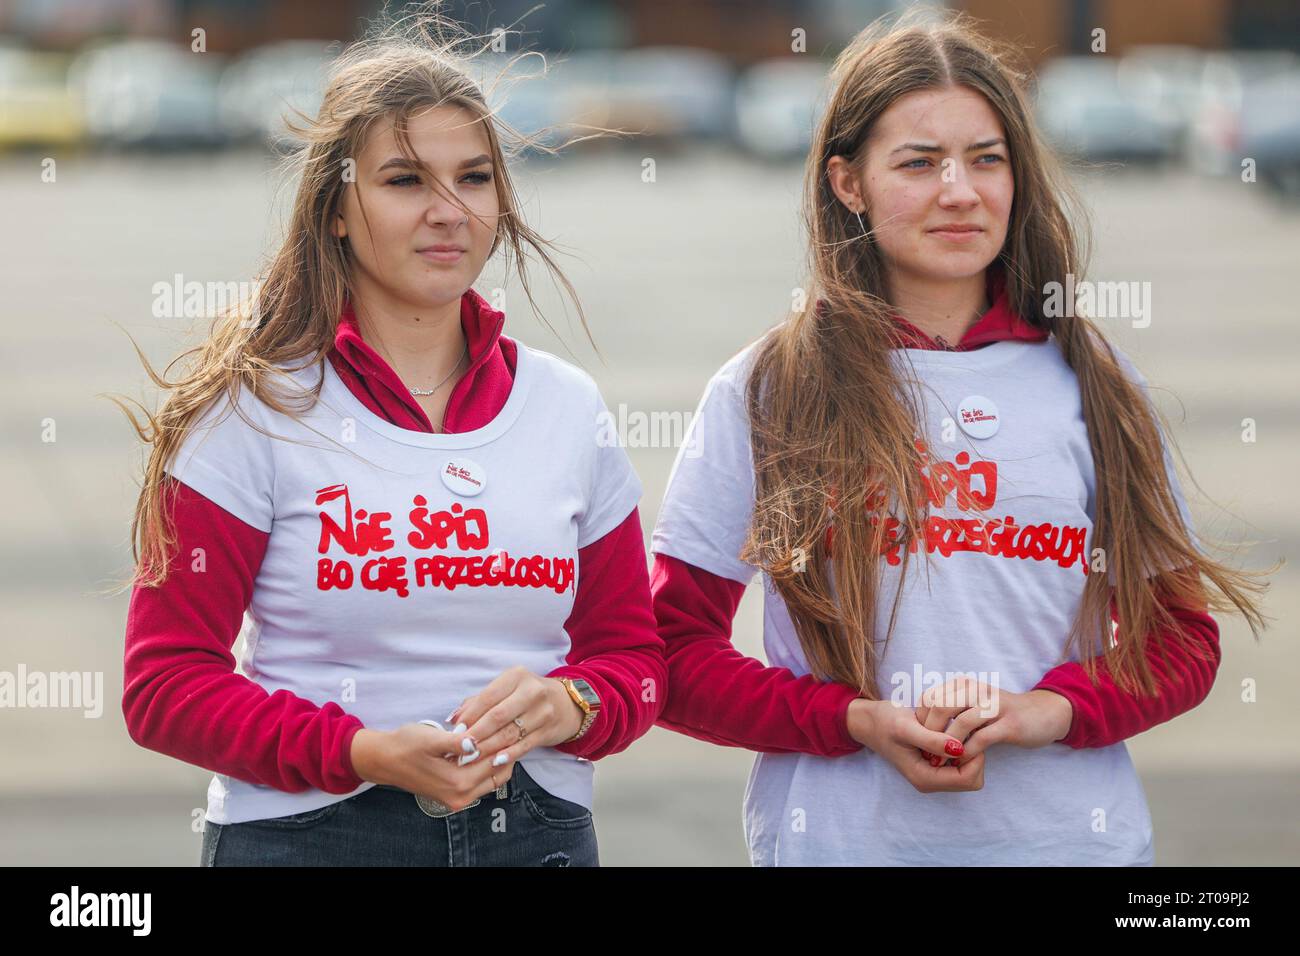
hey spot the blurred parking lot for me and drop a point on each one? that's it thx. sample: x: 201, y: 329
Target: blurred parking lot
x: 125, y: 163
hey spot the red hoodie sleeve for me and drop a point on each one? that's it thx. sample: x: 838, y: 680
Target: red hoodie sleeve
x: 1105, y: 714
x: 615, y: 647
x: 718, y: 694
x: 182, y: 696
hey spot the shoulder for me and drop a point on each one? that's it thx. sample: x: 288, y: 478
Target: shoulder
x: 552, y: 372
x: 238, y: 407
x: 730, y: 383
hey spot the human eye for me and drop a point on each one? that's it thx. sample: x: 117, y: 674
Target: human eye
x: 911, y: 164
x: 479, y: 179
x: 404, y: 180
x: 996, y: 157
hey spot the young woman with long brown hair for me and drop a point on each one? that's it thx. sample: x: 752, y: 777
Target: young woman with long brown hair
x: 414, y: 510
x: 950, y: 489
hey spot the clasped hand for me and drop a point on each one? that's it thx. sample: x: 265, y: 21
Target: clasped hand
x: 939, y: 746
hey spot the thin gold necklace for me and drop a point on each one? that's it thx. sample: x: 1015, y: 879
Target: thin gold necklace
x: 454, y: 369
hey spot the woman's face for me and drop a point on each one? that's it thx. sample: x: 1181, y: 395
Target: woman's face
x: 415, y: 245
x: 934, y: 159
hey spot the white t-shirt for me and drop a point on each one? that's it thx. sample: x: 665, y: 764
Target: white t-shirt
x: 998, y: 604
x: 406, y: 570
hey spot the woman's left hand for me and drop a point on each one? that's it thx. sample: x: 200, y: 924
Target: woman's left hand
x: 982, y: 715
x: 542, y: 704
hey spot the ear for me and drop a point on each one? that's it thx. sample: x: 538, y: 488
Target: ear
x: 340, y: 227
x: 845, y: 184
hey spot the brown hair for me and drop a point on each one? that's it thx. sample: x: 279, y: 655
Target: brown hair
x: 832, y: 426
x: 406, y: 65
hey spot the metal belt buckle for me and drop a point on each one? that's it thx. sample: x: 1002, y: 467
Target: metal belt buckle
x: 438, y: 809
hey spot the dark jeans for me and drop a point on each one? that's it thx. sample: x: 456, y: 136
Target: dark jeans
x: 385, y: 827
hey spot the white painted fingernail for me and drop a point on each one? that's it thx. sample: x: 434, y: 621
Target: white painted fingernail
x: 460, y: 728
x: 501, y: 758
x: 468, y: 758
x: 433, y: 723
x: 467, y: 744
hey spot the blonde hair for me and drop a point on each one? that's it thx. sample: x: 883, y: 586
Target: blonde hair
x: 405, y: 66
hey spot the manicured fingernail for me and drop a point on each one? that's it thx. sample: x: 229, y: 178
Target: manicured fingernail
x: 467, y: 744
x: 452, y: 716
x: 500, y: 759
x: 934, y: 761
x: 953, y: 749
x: 460, y: 728
x: 468, y: 758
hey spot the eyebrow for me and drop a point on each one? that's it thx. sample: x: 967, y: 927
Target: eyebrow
x: 932, y: 148
x: 401, y: 162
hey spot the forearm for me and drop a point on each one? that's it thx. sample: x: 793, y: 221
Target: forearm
x: 1103, y: 714
x: 614, y: 644
x: 181, y: 694
x: 720, y: 695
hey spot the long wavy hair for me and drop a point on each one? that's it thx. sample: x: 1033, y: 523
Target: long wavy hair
x: 834, y: 427
x: 405, y: 66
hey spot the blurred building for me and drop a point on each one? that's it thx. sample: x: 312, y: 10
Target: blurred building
x: 745, y: 30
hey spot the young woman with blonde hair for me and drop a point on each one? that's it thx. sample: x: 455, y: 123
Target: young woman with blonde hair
x: 414, y: 510
x: 948, y: 487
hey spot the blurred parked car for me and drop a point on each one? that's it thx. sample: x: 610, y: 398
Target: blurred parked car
x: 36, y: 108
x: 778, y: 103
x: 1214, y: 145
x: 1088, y: 110
x: 1270, y: 131
x: 1166, y: 79
x: 674, y: 92
x: 148, y: 93
x: 270, y: 84
x: 661, y: 92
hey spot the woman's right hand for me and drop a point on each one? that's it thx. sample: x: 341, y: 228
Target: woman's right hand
x: 895, y: 734
x: 414, y: 758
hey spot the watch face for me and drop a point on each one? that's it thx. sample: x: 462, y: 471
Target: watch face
x: 587, y: 693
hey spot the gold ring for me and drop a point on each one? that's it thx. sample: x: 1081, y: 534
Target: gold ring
x: 522, y: 732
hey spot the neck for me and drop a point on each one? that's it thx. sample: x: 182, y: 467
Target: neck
x: 422, y: 344
x: 940, y: 308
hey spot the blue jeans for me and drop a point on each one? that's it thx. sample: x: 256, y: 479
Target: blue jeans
x: 385, y: 827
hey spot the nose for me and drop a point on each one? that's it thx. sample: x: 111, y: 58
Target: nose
x: 956, y: 191
x: 444, y: 210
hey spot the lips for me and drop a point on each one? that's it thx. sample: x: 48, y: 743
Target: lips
x: 956, y: 232
x: 441, y: 253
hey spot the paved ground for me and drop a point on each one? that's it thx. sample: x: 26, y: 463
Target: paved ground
x: 676, y: 276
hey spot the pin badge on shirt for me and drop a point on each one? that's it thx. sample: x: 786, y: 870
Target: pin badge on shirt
x: 978, y: 416
x: 464, y: 477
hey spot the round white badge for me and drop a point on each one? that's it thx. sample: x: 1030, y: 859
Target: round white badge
x: 464, y: 477
x: 978, y: 416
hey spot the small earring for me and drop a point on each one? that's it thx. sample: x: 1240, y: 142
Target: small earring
x: 860, y: 225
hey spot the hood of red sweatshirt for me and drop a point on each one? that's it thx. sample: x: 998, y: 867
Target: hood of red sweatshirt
x: 476, y: 398
x: 998, y: 324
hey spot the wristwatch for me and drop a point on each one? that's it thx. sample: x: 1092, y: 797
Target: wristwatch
x: 585, y: 698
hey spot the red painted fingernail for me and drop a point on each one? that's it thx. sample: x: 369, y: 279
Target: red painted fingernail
x: 953, y: 749
x: 934, y: 761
